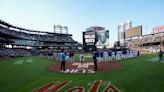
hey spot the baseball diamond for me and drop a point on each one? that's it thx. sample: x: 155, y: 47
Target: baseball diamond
x: 81, y: 45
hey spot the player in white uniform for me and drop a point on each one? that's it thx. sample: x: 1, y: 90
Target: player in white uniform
x: 81, y: 56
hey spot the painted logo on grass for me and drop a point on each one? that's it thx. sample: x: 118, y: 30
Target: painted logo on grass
x: 80, y: 68
x: 94, y: 87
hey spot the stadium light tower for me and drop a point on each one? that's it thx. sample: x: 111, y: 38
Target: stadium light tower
x: 125, y: 25
x: 54, y: 28
x: 61, y: 29
x: 119, y: 33
x: 66, y: 29
x: 119, y: 27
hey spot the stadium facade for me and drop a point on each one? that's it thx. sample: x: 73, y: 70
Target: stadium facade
x: 18, y: 37
x: 150, y: 42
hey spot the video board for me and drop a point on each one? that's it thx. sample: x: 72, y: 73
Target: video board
x: 132, y: 32
x: 89, y: 40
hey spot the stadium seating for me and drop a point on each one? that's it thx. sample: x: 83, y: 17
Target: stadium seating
x: 7, y: 52
x: 23, y: 35
x: 146, y: 43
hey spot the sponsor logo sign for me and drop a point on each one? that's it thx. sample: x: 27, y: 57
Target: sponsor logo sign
x: 158, y: 29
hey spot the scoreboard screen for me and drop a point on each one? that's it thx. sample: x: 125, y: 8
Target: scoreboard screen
x: 132, y: 32
x: 89, y: 40
x: 103, y: 38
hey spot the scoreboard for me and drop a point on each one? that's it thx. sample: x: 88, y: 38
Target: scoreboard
x: 89, y: 38
x: 89, y: 41
x: 95, y: 37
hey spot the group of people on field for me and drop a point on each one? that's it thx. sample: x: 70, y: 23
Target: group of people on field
x: 70, y: 57
x: 100, y: 56
x: 97, y: 56
x: 115, y: 55
x: 62, y: 59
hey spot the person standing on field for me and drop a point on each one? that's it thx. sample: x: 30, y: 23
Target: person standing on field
x: 62, y: 57
x: 81, y: 56
x: 95, y: 61
x: 71, y: 55
x: 160, y: 55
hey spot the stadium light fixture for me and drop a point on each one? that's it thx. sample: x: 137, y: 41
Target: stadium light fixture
x: 60, y: 28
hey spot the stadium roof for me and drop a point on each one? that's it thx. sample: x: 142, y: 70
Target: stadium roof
x: 152, y: 34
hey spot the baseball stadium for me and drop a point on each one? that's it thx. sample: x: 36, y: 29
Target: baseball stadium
x: 33, y: 60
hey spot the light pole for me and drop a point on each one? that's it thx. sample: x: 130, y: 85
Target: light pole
x: 60, y: 28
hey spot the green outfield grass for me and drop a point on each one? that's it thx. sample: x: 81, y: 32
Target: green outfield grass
x: 28, y: 73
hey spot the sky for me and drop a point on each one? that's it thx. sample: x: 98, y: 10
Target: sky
x: 81, y: 14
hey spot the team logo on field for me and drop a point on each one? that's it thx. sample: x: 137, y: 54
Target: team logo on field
x: 83, y: 65
x: 80, y: 68
x: 94, y: 87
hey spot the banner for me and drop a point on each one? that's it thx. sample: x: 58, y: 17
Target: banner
x: 158, y: 29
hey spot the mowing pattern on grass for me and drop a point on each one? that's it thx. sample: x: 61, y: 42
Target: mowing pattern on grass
x: 155, y: 59
x: 19, y: 62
